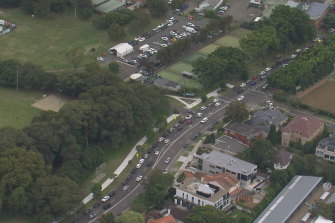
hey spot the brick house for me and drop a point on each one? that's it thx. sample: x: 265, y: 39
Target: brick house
x: 245, y: 133
x: 301, y: 128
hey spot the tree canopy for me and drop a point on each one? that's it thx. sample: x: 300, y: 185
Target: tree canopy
x: 157, y: 8
x: 236, y: 111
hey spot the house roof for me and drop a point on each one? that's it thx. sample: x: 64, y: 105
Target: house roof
x: 229, y: 145
x: 305, y: 125
x: 225, y: 180
x: 289, y: 199
x: 314, y: 9
x: 266, y: 118
x: 282, y: 157
x: 330, y: 141
x: 110, y: 6
x: 244, y: 129
x: 166, y: 219
x: 163, y: 82
x: 321, y: 219
x: 228, y: 162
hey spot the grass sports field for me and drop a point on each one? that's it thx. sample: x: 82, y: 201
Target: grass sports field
x: 173, y: 72
x: 16, y: 109
x: 321, y: 97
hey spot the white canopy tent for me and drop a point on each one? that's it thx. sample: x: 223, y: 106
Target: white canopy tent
x: 121, y: 49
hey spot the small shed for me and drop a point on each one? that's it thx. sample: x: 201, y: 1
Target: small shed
x: 121, y: 49
x: 135, y: 76
x: 144, y: 48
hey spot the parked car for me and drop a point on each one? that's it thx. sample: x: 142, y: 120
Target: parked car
x: 188, y: 116
x: 240, y: 98
x: 107, y: 206
x: 125, y: 188
x: 215, y: 100
x: 138, y: 165
x: 160, y: 139
x: 111, y: 194
x: 189, y: 122
x: 86, y: 212
x: 168, y: 160
x: 139, y: 178
x: 104, y: 199
x: 204, y: 120
x: 265, y: 86
x: 156, y: 152
x: 101, y: 59
x: 146, y: 156
x: 92, y: 215
x: 96, y: 205
x: 267, y: 69
x: 166, y: 141
x: 199, y: 114
x: 141, y: 161
x: 165, y: 171
x: 203, y: 108
x: 217, y: 104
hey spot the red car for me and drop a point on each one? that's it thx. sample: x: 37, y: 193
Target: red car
x: 189, y: 121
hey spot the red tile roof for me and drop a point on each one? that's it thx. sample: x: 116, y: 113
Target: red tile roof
x: 166, y: 219
x: 305, y: 125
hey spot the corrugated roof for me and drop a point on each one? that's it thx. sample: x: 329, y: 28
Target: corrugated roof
x: 288, y: 200
x: 315, y: 9
x: 98, y: 2
x: 110, y: 6
x: 244, y: 129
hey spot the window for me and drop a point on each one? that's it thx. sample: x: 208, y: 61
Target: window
x: 332, y: 157
x: 192, y: 199
x: 326, y: 156
x: 211, y: 166
x: 187, y: 196
x: 202, y: 203
x: 199, y: 202
x: 219, y: 167
x: 212, y: 172
x: 183, y: 195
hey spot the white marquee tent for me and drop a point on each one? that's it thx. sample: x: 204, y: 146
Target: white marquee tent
x: 121, y: 49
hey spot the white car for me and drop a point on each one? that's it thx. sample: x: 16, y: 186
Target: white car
x: 199, y: 114
x: 188, y: 117
x: 104, y: 199
x: 262, y: 72
x: 139, y: 178
x: 215, y: 100
x: 141, y: 39
x: 217, y: 104
x: 170, y: 24
x: 137, y: 38
x: 171, y: 19
x: 204, y: 120
x: 165, y: 38
x: 243, y: 85
x: 298, y: 50
x: 141, y: 161
x: 203, y: 108
x: 101, y: 59
x: 190, y: 24
x: 293, y: 56
x: 240, y: 98
x: 157, y: 153
x: 165, y: 171
x: 146, y: 156
x: 284, y: 65
x: 138, y: 165
x: 267, y: 69
x: 168, y: 160
x: 164, y: 45
x: 160, y: 139
x: 166, y: 141
x: 173, y: 33
x: 225, y: 8
x: 184, y: 34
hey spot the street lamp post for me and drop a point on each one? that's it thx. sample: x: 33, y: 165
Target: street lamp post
x: 17, y: 77
x: 60, y: 96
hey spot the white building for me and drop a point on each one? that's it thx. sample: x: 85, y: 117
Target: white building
x: 121, y: 49
x: 326, y: 148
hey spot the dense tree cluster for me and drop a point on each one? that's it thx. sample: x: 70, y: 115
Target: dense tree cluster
x: 41, y: 164
x: 284, y: 27
x: 121, y: 17
x: 157, y: 8
x: 329, y: 21
x: 225, y: 63
x: 237, y: 112
x: 309, y: 68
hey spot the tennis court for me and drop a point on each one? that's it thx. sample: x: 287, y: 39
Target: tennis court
x: 177, y: 77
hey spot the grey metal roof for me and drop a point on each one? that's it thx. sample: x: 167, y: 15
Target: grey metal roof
x: 288, y: 200
x: 229, y: 162
x: 265, y: 118
x: 330, y: 141
x: 244, y: 129
x: 229, y: 145
x: 314, y: 9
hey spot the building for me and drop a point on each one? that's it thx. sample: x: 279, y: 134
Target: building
x: 326, y: 148
x: 108, y: 6
x: 316, y: 11
x: 255, y: 3
x: 244, y: 133
x: 301, y: 129
x: 321, y: 219
x: 229, y: 145
x: 267, y: 118
x: 121, y: 50
x: 167, y: 84
x: 283, y: 159
x: 294, y: 194
x: 166, y: 219
x: 207, y: 191
x: 219, y: 162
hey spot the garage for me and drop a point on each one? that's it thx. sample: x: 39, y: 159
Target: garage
x: 121, y: 49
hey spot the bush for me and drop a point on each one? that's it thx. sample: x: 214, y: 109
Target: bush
x: 85, y: 13
x: 181, y: 178
x: 100, y: 22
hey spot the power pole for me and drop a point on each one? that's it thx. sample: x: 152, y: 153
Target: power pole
x: 17, y: 77
x: 60, y: 96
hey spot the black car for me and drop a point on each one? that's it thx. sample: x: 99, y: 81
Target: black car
x: 129, y: 177
x: 149, y: 164
x: 111, y: 194
x: 125, y: 182
x: 96, y: 205
x: 165, y: 134
x: 107, y: 206
x: 133, y: 171
x: 86, y: 212
x: 150, y: 150
x: 179, y: 128
x: 155, y: 145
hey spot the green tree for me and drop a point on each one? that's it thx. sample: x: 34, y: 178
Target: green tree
x: 262, y: 154
x: 329, y: 21
x: 207, y: 214
x: 272, y: 136
x: 261, y: 41
x: 116, y: 32
x: 96, y: 190
x: 130, y: 217
x: 157, y: 8
x: 236, y: 111
x: 57, y: 5
x: 107, y: 218
x: 85, y: 13
x: 176, y: 4
x: 161, y: 122
x: 75, y: 56
x: 10, y: 3
x: 42, y: 7
x: 114, y: 67
x: 140, y: 22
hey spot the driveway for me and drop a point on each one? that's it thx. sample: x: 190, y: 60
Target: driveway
x: 241, y: 11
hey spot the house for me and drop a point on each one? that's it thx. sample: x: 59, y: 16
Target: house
x: 301, y: 129
x: 326, y: 148
x: 316, y: 11
x: 108, y: 6
x: 205, y: 191
x: 121, y: 50
x: 166, y: 219
x: 244, y: 133
x: 219, y: 162
x: 229, y: 145
x: 291, y: 198
x: 283, y: 159
x: 321, y: 219
x: 267, y: 118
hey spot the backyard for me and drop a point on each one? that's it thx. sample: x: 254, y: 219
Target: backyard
x: 15, y: 107
x: 321, y: 97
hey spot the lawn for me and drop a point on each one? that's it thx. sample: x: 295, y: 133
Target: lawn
x: 208, y: 49
x: 16, y: 109
x: 239, y: 33
x: 177, y: 77
x: 321, y: 97
x: 44, y: 41
x: 11, y: 219
x: 193, y: 57
x: 227, y: 41
x: 180, y: 67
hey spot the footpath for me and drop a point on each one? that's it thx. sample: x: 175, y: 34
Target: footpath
x: 133, y: 152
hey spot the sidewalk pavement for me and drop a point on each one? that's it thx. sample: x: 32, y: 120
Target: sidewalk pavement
x: 125, y: 162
